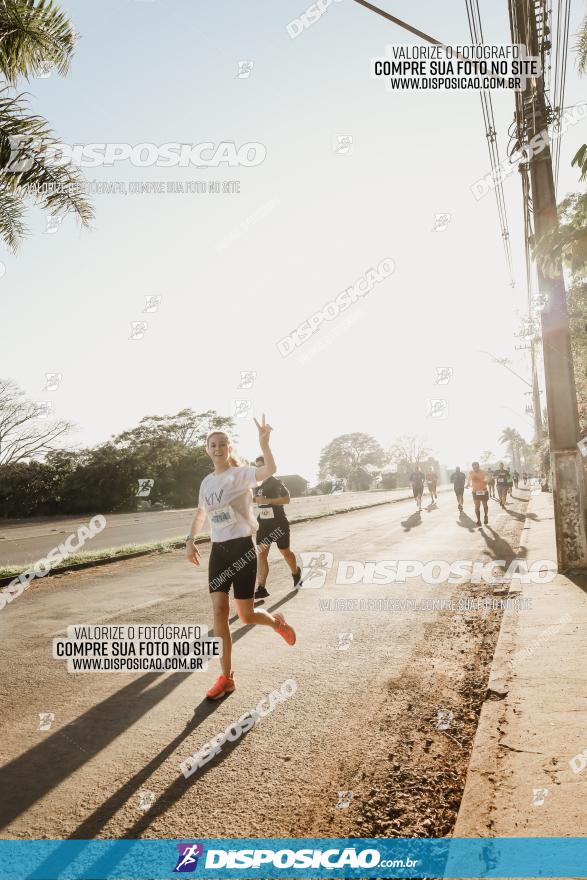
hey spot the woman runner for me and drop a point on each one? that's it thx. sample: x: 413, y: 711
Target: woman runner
x: 225, y: 496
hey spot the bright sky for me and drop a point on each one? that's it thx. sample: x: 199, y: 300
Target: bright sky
x: 160, y: 71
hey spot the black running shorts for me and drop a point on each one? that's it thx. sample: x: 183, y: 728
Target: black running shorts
x: 279, y: 533
x: 233, y: 563
x: 418, y: 489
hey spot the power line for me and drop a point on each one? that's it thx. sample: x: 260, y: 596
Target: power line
x: 563, y: 18
x: 490, y: 132
x: 476, y: 30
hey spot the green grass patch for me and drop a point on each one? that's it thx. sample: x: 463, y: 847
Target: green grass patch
x: 109, y: 553
x: 167, y: 546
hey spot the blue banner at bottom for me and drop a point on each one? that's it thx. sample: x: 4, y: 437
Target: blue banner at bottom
x: 510, y: 857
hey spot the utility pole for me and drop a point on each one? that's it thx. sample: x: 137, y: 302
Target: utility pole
x: 536, y: 405
x: 528, y: 21
x: 561, y: 398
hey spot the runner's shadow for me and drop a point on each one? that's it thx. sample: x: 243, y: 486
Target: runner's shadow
x: 412, y: 521
x: 94, y: 823
x: 521, y: 516
x: 499, y: 547
x: 244, y: 629
x: 466, y: 522
x: 42, y: 768
x: 285, y: 599
x: 91, y: 826
x: 172, y: 794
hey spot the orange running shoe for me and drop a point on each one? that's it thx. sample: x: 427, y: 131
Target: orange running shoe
x: 286, y: 631
x: 223, y: 685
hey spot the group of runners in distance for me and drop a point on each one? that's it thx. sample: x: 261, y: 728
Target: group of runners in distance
x: 418, y: 478
x: 242, y: 501
x: 483, y: 485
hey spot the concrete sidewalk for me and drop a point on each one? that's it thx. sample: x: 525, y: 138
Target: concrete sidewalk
x: 527, y: 776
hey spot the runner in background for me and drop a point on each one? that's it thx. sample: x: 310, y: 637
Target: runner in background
x: 417, y: 481
x: 458, y: 480
x: 516, y: 478
x: 501, y: 477
x: 431, y: 482
x: 510, y: 485
x: 478, y: 483
x: 271, y: 496
x: 491, y: 483
x: 226, y: 498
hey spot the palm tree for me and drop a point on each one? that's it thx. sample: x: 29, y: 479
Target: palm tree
x: 511, y: 438
x: 580, y: 158
x: 581, y: 47
x: 566, y: 245
x: 527, y: 455
x: 34, y: 35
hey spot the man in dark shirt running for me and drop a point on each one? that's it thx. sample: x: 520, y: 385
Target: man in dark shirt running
x: 417, y: 481
x: 502, y: 477
x: 458, y: 480
x: 270, y: 496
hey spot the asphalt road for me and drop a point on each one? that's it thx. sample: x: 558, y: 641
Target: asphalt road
x: 25, y: 541
x: 361, y: 715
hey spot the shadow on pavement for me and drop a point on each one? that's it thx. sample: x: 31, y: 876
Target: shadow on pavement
x: 466, y: 522
x: 259, y: 604
x: 175, y: 791
x: 521, y: 516
x: 40, y: 769
x: 579, y: 578
x: 499, y: 547
x: 36, y: 772
x: 414, y: 520
x: 91, y: 826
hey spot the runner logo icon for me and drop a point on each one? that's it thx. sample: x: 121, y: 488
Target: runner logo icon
x: 187, y: 860
x: 315, y: 566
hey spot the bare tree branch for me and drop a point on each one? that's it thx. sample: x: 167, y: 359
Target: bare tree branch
x: 24, y: 434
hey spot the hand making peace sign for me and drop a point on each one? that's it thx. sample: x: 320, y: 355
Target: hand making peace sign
x: 264, y: 430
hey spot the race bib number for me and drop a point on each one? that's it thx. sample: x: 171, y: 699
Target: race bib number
x: 222, y: 517
x: 501, y: 480
x: 266, y: 512
x: 480, y: 492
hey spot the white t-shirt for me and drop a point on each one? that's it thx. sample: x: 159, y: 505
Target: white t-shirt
x: 228, y: 501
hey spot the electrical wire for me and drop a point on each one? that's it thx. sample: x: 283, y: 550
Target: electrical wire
x: 563, y: 18
x: 476, y: 30
x: 488, y: 117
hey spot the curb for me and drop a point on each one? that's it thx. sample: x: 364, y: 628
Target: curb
x: 474, y: 814
x: 176, y: 545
